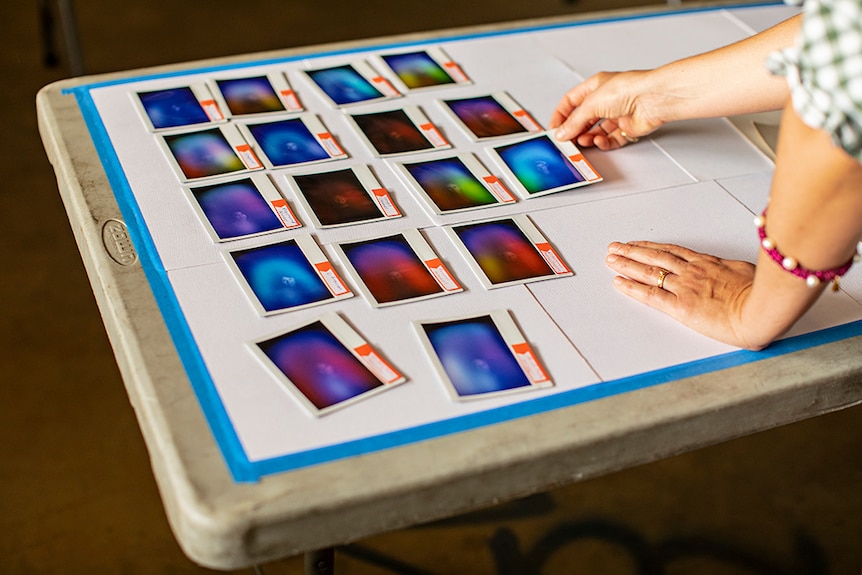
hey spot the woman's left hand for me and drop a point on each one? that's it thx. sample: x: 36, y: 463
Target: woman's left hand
x: 704, y: 292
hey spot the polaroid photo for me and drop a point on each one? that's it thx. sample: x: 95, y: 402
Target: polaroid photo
x: 342, y: 196
x: 541, y: 165
x: 453, y: 183
x: 326, y: 364
x: 292, y: 141
x: 507, y: 251
x: 252, y: 96
x: 209, y: 153
x: 241, y: 208
x: 180, y: 107
x: 352, y: 83
x: 491, y: 116
x: 482, y: 356
x: 287, y: 275
x: 396, y: 269
x: 422, y: 69
x: 396, y: 132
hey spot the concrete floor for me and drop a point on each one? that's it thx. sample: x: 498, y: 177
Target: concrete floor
x: 77, y: 491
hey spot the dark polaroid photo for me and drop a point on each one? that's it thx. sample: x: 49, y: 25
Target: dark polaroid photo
x: 401, y: 131
x: 257, y: 95
x: 342, y: 197
x: 490, y: 116
x: 326, y: 365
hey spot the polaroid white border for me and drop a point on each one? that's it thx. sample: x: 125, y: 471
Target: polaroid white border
x: 568, y: 149
x: 515, y: 110
x: 492, y: 183
x: 268, y: 191
x: 312, y: 123
x: 316, y: 258
x: 419, y: 120
x: 438, y: 55
x: 516, y: 342
x: 232, y: 136
x: 366, y: 72
x: 279, y: 83
x: 202, y: 94
x: 423, y: 250
x: 540, y: 243
x: 354, y: 343
x: 369, y: 182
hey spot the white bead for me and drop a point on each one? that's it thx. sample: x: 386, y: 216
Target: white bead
x: 788, y: 263
x: 758, y: 221
x: 767, y: 243
x: 812, y: 281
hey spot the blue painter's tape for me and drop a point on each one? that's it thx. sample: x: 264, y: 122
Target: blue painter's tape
x: 244, y: 470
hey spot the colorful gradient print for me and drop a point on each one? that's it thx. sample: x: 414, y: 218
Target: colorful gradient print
x: 418, y: 70
x: 281, y: 276
x: 390, y: 269
x: 172, y: 108
x: 392, y: 132
x: 288, y: 142
x: 250, y: 95
x: 539, y: 165
x: 236, y: 209
x: 475, y: 356
x: 503, y: 252
x: 202, y: 154
x: 450, y: 184
x: 319, y: 366
x: 344, y: 85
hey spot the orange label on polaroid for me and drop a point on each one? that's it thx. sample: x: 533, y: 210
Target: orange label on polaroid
x: 248, y: 158
x: 456, y: 72
x: 529, y: 363
x: 377, y: 364
x: 291, y: 102
x: 329, y: 144
x: 552, y: 258
x: 584, y: 167
x: 212, y: 110
x: 390, y: 210
x: 442, y: 275
x: 284, y: 213
x: 497, y: 189
x: 527, y: 120
x: 385, y: 87
x: 330, y: 278
x: 433, y: 135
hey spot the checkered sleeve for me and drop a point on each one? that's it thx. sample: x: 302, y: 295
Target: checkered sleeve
x: 824, y: 70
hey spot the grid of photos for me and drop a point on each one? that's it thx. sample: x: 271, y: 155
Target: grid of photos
x: 263, y: 173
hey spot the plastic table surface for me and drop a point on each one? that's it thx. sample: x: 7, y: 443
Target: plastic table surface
x: 226, y: 524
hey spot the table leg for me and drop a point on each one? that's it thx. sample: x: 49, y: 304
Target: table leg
x: 321, y: 562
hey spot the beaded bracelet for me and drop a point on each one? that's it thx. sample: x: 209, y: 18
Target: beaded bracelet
x: 812, y: 277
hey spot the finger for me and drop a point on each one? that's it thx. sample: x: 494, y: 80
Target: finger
x: 665, y: 256
x: 648, y: 274
x: 570, y: 101
x: 680, y: 252
x: 652, y: 296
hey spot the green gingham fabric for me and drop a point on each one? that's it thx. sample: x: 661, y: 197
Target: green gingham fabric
x: 824, y: 70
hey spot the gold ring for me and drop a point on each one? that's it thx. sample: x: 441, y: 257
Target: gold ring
x: 628, y: 138
x: 662, y: 273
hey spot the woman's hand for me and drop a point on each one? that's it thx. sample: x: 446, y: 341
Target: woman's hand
x: 607, y: 111
x: 704, y: 292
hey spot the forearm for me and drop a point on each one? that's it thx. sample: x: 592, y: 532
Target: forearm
x: 728, y: 81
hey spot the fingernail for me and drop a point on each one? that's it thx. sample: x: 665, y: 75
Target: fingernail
x: 561, y: 134
x: 611, y: 258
